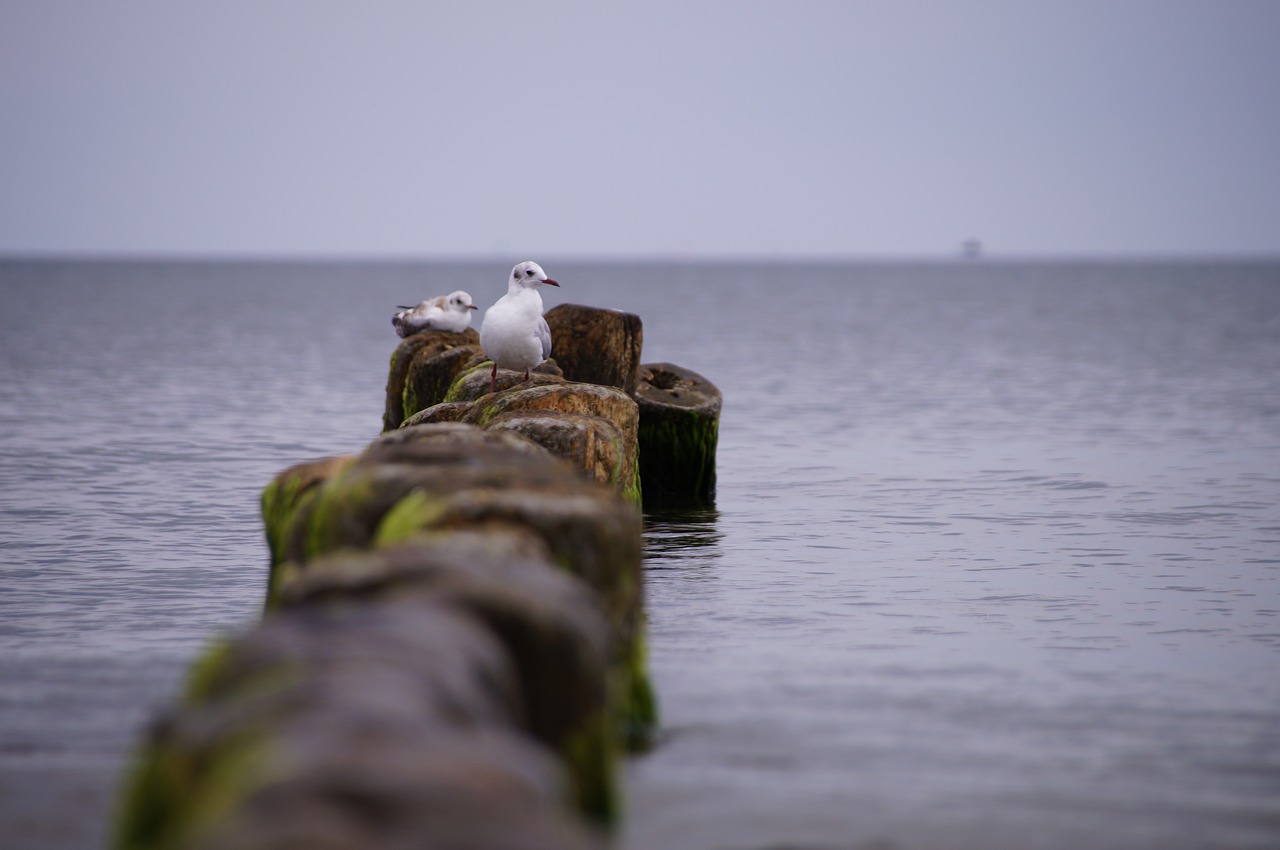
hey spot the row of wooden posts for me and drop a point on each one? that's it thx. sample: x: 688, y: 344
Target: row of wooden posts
x: 452, y: 652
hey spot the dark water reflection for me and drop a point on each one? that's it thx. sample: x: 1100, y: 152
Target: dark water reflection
x: 681, y: 538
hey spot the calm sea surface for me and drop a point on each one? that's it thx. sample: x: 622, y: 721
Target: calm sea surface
x: 994, y: 563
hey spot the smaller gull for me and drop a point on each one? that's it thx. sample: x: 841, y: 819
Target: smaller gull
x: 450, y: 312
x: 513, y: 334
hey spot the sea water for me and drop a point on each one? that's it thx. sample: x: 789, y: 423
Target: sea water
x: 994, y: 560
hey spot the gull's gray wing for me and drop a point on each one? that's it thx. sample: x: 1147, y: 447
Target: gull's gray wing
x: 544, y: 337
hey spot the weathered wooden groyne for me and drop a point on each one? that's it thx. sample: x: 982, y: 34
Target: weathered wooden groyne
x: 452, y: 652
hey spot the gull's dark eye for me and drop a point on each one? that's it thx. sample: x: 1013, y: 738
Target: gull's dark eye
x: 529, y: 272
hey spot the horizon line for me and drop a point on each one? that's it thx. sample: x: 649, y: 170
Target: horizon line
x: 339, y: 257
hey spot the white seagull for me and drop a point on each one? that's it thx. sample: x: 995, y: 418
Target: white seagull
x: 513, y: 334
x: 450, y: 312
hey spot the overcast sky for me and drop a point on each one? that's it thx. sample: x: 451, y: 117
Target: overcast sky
x: 644, y: 129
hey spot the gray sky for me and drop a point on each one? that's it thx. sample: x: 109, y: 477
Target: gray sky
x: 646, y: 129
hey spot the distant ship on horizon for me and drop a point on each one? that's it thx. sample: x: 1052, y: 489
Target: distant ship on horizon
x: 971, y: 248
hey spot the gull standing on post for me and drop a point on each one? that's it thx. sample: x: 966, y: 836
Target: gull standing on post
x: 450, y: 312
x: 513, y: 334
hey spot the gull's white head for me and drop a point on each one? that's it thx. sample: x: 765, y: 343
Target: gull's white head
x: 530, y: 274
x: 460, y: 302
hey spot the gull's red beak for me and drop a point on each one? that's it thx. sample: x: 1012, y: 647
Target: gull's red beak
x: 550, y: 281
x: 472, y: 307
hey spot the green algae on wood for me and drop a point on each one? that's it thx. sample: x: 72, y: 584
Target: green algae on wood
x: 593, y: 544
x: 280, y: 497
x: 432, y: 372
x: 395, y: 704
x: 678, y: 433
x: 393, y: 412
x: 593, y: 444
x: 549, y: 622
x: 475, y: 382
x: 171, y: 791
x: 594, y: 538
x: 583, y: 529
x: 639, y: 710
x: 592, y: 751
x: 284, y: 499
x: 594, y: 428
x: 171, y: 796
x: 459, y: 475
x: 407, y: 361
x: 560, y: 397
